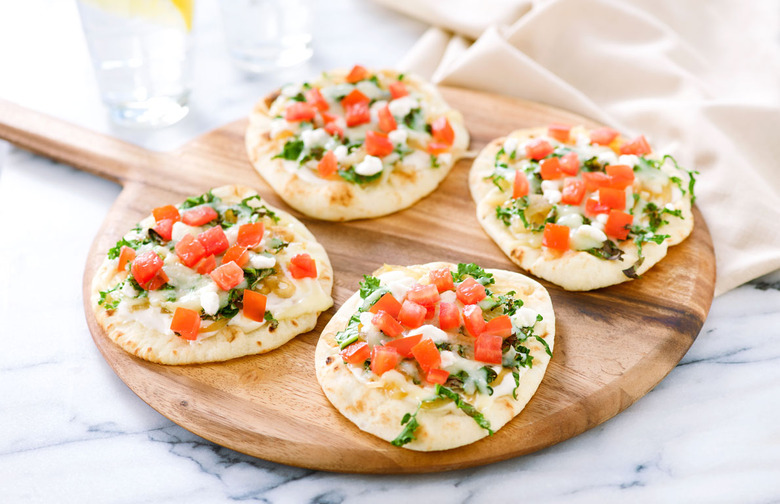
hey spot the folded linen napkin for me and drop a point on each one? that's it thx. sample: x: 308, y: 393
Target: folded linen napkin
x: 687, y: 75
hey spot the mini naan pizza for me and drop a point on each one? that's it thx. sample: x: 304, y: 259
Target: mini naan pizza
x: 436, y: 356
x: 358, y: 144
x: 219, y: 276
x: 582, y: 209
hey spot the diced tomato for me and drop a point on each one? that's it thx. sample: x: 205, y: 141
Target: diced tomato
x: 214, y: 240
x: 398, y: 89
x: 559, y: 132
x: 333, y: 129
x: 442, y: 279
x: 314, y: 96
x: 358, y: 73
x: 353, y: 98
x: 237, y: 254
x: 251, y: 234
x: 538, y: 149
x: 387, y: 303
x: 499, y: 326
x: 573, y: 191
x: 555, y: 237
x: 603, y: 136
x: 166, y: 212
x: 186, y: 323
x: 617, y: 222
x: 199, y: 216
x: 595, y: 180
x: 254, y: 305
x: 612, y: 198
x: 206, y: 265
x: 430, y: 311
x: 383, y: 359
x: 442, y: 131
x: 190, y: 250
x: 227, y: 276
x: 386, y: 120
x: 520, y: 186
x: 387, y: 324
x: 404, y: 345
x: 426, y: 354
x: 449, y: 316
x: 126, y: 254
x: 570, y: 163
x: 299, y: 111
x: 437, y: 148
x: 146, y: 266
x: 412, y: 315
x: 550, y: 168
x: 164, y: 228
x: 357, y: 114
x: 638, y: 146
x: 473, y: 320
x: 437, y: 375
x: 328, y: 118
x: 356, y: 353
x: 620, y: 176
x: 302, y: 266
x: 424, y: 295
x: 469, y: 291
x: 377, y: 144
x: 487, y: 349
x: 593, y: 207
x: 156, y: 282
x: 328, y: 165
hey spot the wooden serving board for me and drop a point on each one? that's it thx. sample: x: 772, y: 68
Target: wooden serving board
x: 612, y: 345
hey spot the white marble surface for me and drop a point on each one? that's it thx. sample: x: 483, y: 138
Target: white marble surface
x: 71, y: 431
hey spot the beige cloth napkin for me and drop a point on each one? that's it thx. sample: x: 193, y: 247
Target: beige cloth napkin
x: 701, y: 80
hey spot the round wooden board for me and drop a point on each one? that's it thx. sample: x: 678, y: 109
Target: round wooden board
x: 612, y: 345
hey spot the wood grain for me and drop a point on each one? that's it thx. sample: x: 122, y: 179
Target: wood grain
x: 612, y: 346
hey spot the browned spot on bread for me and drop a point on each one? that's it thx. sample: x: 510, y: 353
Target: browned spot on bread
x: 294, y: 323
x: 270, y: 98
x: 406, y: 176
x: 341, y: 194
x: 329, y: 359
x: 260, y: 343
x: 517, y: 254
x: 266, y: 136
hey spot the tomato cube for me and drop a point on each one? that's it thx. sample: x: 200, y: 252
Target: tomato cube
x: 573, y: 191
x: 190, y: 251
x: 618, y: 223
x: 570, y: 163
x: 227, y: 276
x: 442, y: 279
x: 555, y: 237
x: 487, y: 349
x: 637, y: 146
x: 356, y: 353
x: 550, y: 168
x: 358, y: 73
x: 603, y: 136
x: 302, y: 266
x: 315, y: 98
x: 377, y: 144
x: 254, y: 305
x: 166, y: 212
x: 593, y: 207
x: 442, y: 131
x: 146, y: 266
x: 449, y: 316
x: 299, y: 111
x: 383, y: 359
x: 353, y: 98
x: 126, y: 255
x: 473, y: 320
x: 426, y: 354
x: 386, y: 120
x: 186, y: 323
x: 437, y: 148
x: 538, y: 149
x: 559, y: 132
x: 612, y: 198
x: 236, y: 254
x: 333, y: 129
x: 387, y: 324
x: 398, y: 89
x: 387, y: 303
x: 595, y: 180
x: 520, y: 186
x: 499, y: 326
x: 357, y: 114
x: 437, y: 375
x: 206, y: 265
x: 620, y: 176
x: 214, y: 240
x: 424, y: 295
x: 250, y: 235
x: 156, y: 282
x: 412, y: 315
x: 199, y: 216
x: 469, y: 291
x: 404, y: 345
x: 164, y: 229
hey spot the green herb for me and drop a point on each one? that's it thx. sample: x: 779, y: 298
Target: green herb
x: 655, y: 214
x: 471, y: 269
x: 103, y: 297
x: 194, y: 201
x: 350, y: 333
x: 291, y: 151
x: 272, y: 322
x: 315, y: 153
x: 497, y: 180
x: 299, y: 97
x: 592, y: 165
x: 276, y: 244
x: 435, y: 161
x: 415, y: 120
x: 544, y: 344
x: 368, y: 285
x: 467, y: 408
x: 517, y: 207
x: 608, y: 251
x: 509, y: 304
x: 407, y: 434
x: 350, y: 175
x: 114, y: 251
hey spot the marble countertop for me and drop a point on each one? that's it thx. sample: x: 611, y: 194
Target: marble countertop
x: 71, y: 431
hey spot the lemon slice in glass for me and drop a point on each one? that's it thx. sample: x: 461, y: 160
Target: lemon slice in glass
x: 167, y: 12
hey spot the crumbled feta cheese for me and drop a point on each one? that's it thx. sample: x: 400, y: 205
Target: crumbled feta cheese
x: 315, y: 138
x: 524, y: 317
x: 370, y: 165
x: 447, y: 359
x: 397, y: 137
x: 553, y: 196
x: 180, y: 230
x: 397, y: 282
x: 262, y: 261
x: 551, y: 185
x: 628, y: 160
x: 607, y: 157
x: 572, y: 220
x: 279, y: 125
x: 340, y: 152
x: 448, y: 296
x: 209, y: 300
x: 445, y: 158
x: 510, y: 145
x: 430, y: 332
x: 587, y: 237
x: 400, y: 107
x: 369, y: 89
x: 291, y: 90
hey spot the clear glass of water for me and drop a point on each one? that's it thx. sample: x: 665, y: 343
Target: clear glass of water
x: 140, y: 52
x: 263, y: 35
